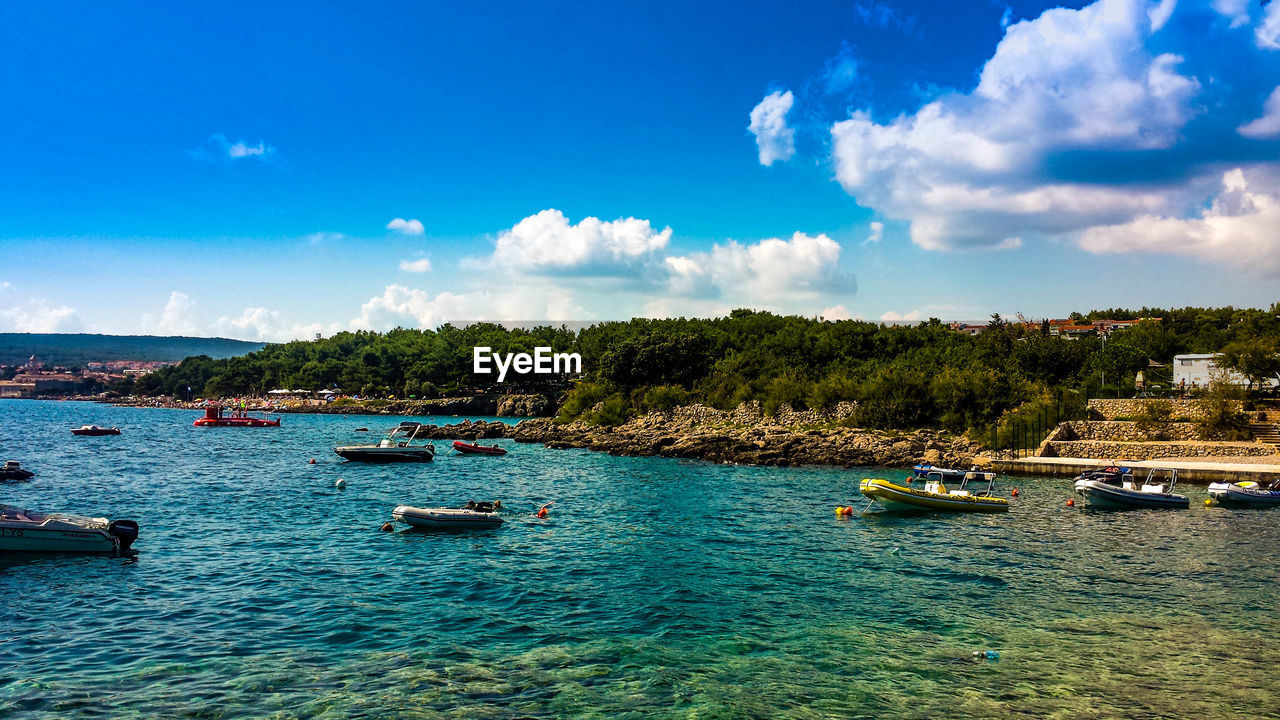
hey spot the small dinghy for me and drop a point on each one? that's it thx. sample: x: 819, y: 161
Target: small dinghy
x: 1245, y: 494
x: 1118, y: 491
x: 974, y: 495
x: 475, y: 515
x: 30, y: 531
x: 924, y: 470
x: 12, y: 470
x: 467, y: 448
x: 94, y: 431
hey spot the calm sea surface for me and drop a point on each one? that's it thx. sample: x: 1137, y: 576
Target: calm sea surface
x: 656, y: 589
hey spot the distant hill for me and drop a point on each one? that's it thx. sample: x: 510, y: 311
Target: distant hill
x: 73, y: 350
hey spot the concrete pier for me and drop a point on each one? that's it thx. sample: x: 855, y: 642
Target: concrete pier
x: 1188, y: 470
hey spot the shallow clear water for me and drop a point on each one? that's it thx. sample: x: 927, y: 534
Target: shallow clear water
x: 656, y: 588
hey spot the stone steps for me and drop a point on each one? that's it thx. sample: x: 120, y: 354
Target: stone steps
x: 1268, y: 433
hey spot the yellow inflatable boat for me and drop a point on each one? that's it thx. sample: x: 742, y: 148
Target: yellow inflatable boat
x: 935, y: 496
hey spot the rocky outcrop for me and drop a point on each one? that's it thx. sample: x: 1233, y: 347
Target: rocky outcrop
x: 741, y: 436
x: 522, y: 406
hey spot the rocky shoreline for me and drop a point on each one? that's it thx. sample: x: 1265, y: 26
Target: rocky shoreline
x: 745, y: 436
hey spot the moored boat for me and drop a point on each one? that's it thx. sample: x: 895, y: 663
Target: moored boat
x: 477, y: 449
x: 94, y: 431
x: 1119, y: 491
x: 13, y: 470
x: 479, y: 515
x: 30, y: 531
x: 924, y: 470
x: 216, y: 416
x: 392, y: 448
x: 1244, y: 494
x: 973, y: 495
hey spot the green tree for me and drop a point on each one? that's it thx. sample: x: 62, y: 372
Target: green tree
x: 1257, y: 361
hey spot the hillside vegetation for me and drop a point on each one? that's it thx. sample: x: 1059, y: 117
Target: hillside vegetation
x: 924, y: 375
x: 75, y: 349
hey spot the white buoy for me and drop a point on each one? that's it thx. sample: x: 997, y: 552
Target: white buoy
x: 340, y: 484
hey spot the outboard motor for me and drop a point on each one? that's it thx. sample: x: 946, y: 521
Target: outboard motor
x: 125, y: 532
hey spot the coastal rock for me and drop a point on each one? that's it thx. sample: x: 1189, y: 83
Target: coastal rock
x: 522, y: 406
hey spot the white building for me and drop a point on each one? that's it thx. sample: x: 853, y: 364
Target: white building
x: 1198, y: 370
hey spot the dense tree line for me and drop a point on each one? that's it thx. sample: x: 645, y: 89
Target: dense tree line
x: 900, y: 376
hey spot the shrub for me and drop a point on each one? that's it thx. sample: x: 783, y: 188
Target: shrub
x: 581, y: 399
x: 1221, y: 416
x: 665, y: 398
x: 1153, y: 419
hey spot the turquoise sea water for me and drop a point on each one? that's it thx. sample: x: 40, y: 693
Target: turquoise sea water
x: 657, y: 588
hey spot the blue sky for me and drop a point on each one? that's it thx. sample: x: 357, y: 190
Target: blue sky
x: 272, y: 172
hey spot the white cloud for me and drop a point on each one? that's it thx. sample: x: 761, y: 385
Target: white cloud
x: 893, y: 317
x: 217, y: 148
x: 38, y: 316
x: 406, y: 227
x: 5, y: 285
x: 400, y: 306
x: 1237, y: 11
x: 179, y: 317
x: 1239, y: 227
x: 320, y: 238
x: 420, y: 265
x: 775, y: 140
x: 877, y: 233
x: 968, y: 170
x: 1267, y: 126
x: 1267, y: 33
x: 266, y: 325
x: 769, y: 270
x: 836, y: 312
x: 1160, y: 13
x: 548, y: 243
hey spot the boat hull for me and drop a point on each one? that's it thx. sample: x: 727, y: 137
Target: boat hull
x: 375, y: 454
x: 235, y: 422
x: 1230, y: 494
x: 474, y: 449
x: 1109, y: 497
x: 95, y: 432
x: 444, y: 518
x: 54, y: 533
x: 896, y: 498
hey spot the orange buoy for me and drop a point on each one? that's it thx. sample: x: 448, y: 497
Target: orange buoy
x: 1071, y: 502
x: 312, y: 462
x: 1015, y: 492
x: 542, y: 512
x: 387, y: 527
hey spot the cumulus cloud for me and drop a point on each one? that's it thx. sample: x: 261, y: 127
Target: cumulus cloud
x: 401, y: 306
x: 774, y: 139
x: 37, y: 315
x: 1238, y: 227
x: 769, y: 270
x: 893, y: 317
x: 1032, y: 151
x: 1267, y: 33
x: 877, y: 233
x: 420, y: 265
x: 179, y: 317
x: 217, y: 148
x: 406, y: 227
x: 836, y: 312
x: 547, y: 243
x: 1237, y: 11
x: 1267, y: 126
x: 266, y: 325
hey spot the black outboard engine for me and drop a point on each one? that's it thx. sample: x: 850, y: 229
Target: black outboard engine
x: 124, y: 531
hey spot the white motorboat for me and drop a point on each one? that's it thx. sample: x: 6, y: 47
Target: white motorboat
x: 482, y: 515
x: 397, y: 446
x: 1244, y: 494
x: 1119, y: 491
x: 30, y: 531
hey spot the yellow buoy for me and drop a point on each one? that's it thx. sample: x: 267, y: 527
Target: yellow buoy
x: 839, y: 509
x: 1208, y: 502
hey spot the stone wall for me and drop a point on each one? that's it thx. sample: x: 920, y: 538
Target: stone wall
x: 1125, y: 431
x: 751, y: 413
x: 1152, y: 450
x: 1112, y: 409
